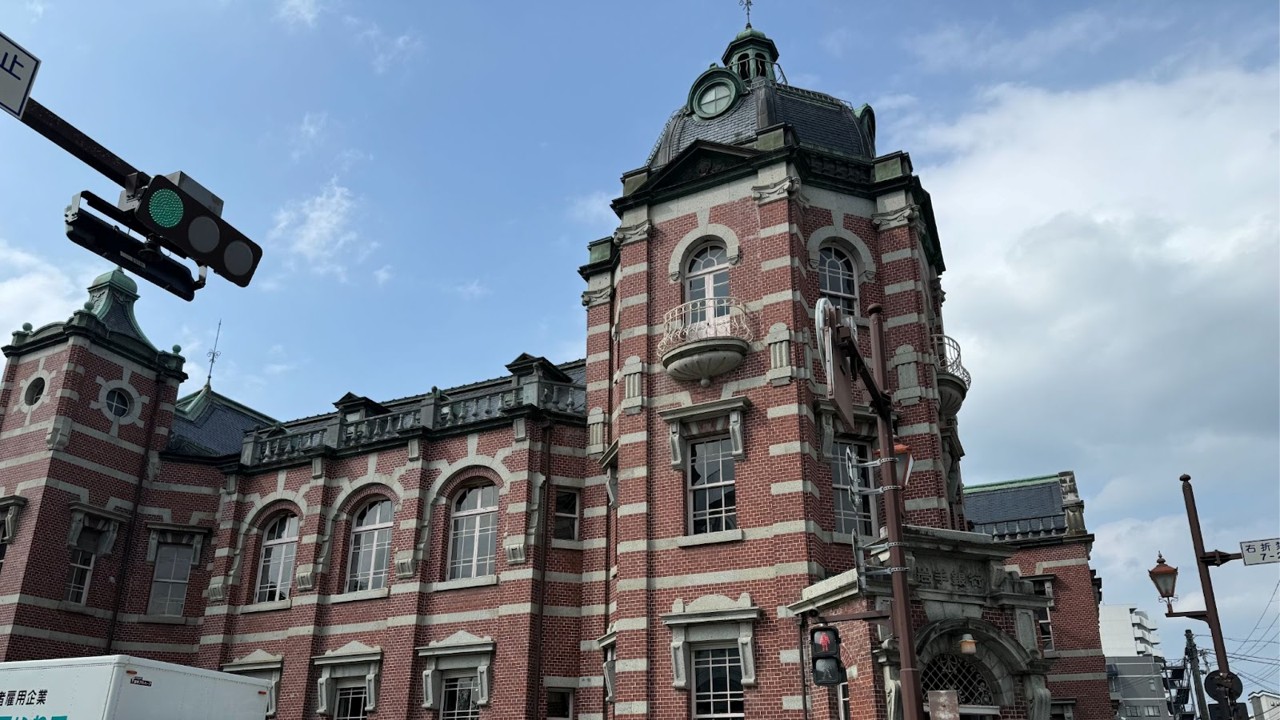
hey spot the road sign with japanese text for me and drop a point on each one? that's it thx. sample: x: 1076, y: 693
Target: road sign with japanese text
x: 1260, y: 552
x: 17, y: 74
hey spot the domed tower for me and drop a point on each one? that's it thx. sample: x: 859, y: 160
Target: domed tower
x: 732, y: 504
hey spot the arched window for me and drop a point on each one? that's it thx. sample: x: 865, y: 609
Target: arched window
x: 959, y: 673
x: 473, y: 532
x: 761, y: 65
x: 838, y: 278
x: 707, y: 284
x: 279, y: 546
x: 744, y: 66
x: 370, y: 547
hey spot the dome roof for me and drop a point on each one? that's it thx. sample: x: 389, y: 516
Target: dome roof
x: 116, y: 278
x: 819, y: 121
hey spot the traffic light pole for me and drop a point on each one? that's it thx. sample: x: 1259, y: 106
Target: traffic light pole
x: 84, y: 148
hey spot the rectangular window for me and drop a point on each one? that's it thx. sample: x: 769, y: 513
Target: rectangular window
x: 559, y: 704
x: 82, y: 557
x: 854, y: 513
x: 713, y: 502
x: 370, y: 553
x: 717, y: 688
x: 169, y: 584
x: 460, y: 699
x: 566, y: 515
x: 350, y: 704
x: 1044, y: 588
x: 1153, y: 711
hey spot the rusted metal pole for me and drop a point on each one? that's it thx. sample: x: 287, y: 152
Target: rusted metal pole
x: 901, y: 611
x: 1206, y: 583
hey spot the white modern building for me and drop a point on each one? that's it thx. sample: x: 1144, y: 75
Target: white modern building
x: 1127, y: 632
x: 1135, y: 664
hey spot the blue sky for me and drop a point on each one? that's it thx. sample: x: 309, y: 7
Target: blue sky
x: 424, y: 178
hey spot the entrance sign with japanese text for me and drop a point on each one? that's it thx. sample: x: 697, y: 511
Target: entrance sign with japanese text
x: 17, y: 74
x: 1260, y: 552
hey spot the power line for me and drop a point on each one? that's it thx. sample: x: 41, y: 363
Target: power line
x: 1265, y: 685
x: 1250, y: 647
x: 1263, y: 615
x: 1254, y: 659
x: 1272, y: 641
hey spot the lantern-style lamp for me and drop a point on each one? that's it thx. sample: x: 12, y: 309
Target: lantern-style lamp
x: 1164, y: 577
x: 968, y: 646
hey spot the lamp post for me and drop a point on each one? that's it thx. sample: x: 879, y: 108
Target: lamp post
x: 840, y: 342
x: 1222, y: 684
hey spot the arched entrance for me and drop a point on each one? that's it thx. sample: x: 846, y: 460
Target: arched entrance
x: 968, y: 678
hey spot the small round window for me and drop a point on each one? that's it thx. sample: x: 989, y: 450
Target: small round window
x: 118, y: 403
x: 714, y: 99
x: 35, y: 391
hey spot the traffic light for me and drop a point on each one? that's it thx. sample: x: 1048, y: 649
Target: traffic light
x: 169, y: 209
x: 147, y: 262
x: 824, y: 650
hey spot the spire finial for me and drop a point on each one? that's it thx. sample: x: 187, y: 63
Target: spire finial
x: 213, y: 355
x: 746, y: 5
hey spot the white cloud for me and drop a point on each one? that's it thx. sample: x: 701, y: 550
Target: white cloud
x: 278, y: 368
x: 1113, y: 269
x: 319, y: 232
x: 299, y: 12
x: 897, y: 101
x: 34, y: 291
x: 976, y: 47
x: 308, y: 133
x: 387, y: 50
x: 593, y: 211
x: 836, y: 41
x: 382, y: 275
x: 36, y: 8
x: 471, y: 290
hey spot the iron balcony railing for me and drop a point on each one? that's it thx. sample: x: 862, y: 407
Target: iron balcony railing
x: 435, y: 411
x: 705, y: 319
x: 949, y: 359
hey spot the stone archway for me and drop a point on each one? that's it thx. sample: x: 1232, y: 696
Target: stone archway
x: 997, y: 661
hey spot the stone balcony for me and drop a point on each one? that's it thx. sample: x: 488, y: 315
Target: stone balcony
x: 953, y: 378
x: 436, y: 412
x: 705, y: 338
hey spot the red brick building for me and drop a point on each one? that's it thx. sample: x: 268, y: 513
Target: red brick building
x: 636, y: 534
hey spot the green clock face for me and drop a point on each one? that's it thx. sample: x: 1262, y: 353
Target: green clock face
x: 714, y: 99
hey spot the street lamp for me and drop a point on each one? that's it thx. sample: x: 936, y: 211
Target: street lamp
x: 968, y: 646
x: 1221, y: 684
x: 1165, y: 578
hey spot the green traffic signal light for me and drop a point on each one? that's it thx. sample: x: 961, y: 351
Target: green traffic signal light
x: 165, y: 208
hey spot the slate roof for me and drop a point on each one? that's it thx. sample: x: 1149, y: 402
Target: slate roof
x: 820, y: 122
x: 208, y: 424
x: 1017, y: 509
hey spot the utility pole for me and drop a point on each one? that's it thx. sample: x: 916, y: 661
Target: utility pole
x: 1193, y: 664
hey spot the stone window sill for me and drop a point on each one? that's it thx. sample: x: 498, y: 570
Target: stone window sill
x: 166, y: 620
x: 566, y: 544
x: 360, y: 595
x: 482, y: 581
x: 723, y: 536
x: 81, y: 609
x: 267, y: 606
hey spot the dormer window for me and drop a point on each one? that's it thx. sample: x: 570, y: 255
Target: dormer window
x: 715, y: 99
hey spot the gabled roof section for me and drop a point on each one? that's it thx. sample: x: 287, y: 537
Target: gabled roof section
x: 701, y: 159
x: 208, y: 424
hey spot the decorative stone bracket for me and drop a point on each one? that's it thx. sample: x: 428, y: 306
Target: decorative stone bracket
x: 106, y: 522
x: 712, y: 619
x: 10, y: 508
x: 167, y: 533
x: 706, y: 418
x: 608, y: 645
x: 459, y: 651
x: 353, y: 660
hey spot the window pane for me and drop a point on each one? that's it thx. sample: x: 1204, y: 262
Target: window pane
x: 718, y: 684
x: 567, y: 502
x: 559, y: 704
x: 350, y: 704
x: 566, y: 529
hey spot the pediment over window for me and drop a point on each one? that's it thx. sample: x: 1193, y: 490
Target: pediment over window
x: 712, y: 619
x: 699, y: 161
x: 461, y: 651
x: 709, y: 418
x: 354, y: 661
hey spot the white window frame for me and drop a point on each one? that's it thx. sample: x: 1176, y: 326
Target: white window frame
x: 459, y: 570
x: 575, y: 516
x: 118, y: 398
x: 366, y: 541
x: 288, y: 547
x: 726, y: 463
x: 82, y: 560
x: 568, y: 692
x: 451, y: 685
x: 1044, y: 625
x: 695, y: 665
x: 863, y: 512
x: 350, y: 688
x: 180, y: 566
x: 707, y: 279
x: 837, y: 267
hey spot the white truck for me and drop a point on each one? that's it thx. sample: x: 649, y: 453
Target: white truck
x: 120, y: 687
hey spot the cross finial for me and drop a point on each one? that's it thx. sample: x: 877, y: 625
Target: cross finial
x: 213, y: 355
x: 746, y: 5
